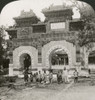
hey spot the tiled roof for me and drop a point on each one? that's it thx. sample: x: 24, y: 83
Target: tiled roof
x: 26, y: 14
x: 11, y: 29
x: 55, y: 8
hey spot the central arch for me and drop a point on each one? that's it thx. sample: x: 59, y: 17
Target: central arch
x: 58, y: 57
x: 55, y: 48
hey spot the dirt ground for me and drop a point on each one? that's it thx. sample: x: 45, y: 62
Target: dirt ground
x: 73, y: 91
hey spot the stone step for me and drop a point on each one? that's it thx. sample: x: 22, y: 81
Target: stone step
x: 92, y: 74
x: 92, y: 71
x: 92, y: 77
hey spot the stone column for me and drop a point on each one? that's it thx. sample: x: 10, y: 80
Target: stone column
x: 39, y: 56
x: 11, y: 64
x: 10, y: 69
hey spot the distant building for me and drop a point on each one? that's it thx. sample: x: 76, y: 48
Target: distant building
x: 48, y: 44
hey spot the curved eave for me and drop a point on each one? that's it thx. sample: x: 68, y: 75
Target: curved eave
x: 11, y: 29
x: 20, y: 18
x: 61, y: 10
x: 38, y: 24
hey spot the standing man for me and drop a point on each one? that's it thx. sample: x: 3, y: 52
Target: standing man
x: 45, y: 76
x: 26, y: 76
x: 59, y: 77
x: 40, y: 77
x: 65, y: 71
x: 26, y: 68
x: 7, y: 62
x: 75, y: 76
x: 26, y: 63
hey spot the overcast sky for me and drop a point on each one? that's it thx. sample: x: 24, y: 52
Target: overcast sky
x: 14, y: 9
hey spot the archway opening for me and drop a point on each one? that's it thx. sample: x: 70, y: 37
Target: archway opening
x: 58, y: 57
x: 25, y: 61
x: 91, y: 58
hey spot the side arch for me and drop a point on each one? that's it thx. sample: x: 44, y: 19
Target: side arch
x: 27, y: 52
x: 31, y: 51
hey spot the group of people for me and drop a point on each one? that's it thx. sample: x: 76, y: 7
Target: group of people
x: 62, y: 76
x: 39, y: 77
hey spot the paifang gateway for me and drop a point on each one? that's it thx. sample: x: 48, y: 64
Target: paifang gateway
x: 50, y: 44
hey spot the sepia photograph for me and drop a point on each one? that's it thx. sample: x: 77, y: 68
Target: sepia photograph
x: 47, y: 50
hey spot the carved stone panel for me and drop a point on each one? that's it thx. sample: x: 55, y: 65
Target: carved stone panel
x: 24, y: 32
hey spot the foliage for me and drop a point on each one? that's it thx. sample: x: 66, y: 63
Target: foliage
x: 87, y: 36
x: 3, y: 51
x: 2, y: 80
x: 1, y: 46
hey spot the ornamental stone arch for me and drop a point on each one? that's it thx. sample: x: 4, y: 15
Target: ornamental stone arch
x: 58, y: 47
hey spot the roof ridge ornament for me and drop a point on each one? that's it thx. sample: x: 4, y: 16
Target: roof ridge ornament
x: 27, y: 13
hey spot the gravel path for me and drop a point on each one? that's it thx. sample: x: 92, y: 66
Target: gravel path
x: 79, y: 91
